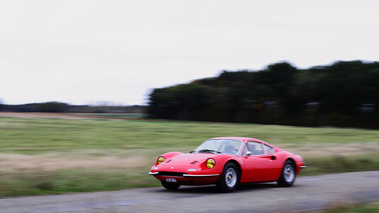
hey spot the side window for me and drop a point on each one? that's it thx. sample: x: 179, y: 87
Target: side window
x: 268, y: 149
x: 254, y: 147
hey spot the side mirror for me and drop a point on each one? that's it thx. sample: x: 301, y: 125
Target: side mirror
x: 248, y: 153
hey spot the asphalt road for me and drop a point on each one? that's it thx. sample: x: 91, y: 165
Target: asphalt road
x: 308, y: 194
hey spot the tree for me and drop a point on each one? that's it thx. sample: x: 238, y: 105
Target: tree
x: 337, y: 94
x: 1, y: 105
x: 53, y: 107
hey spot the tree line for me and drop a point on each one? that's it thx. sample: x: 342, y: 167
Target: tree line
x: 343, y: 94
x: 59, y: 107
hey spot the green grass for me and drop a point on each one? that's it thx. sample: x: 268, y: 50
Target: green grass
x: 359, y: 208
x: 339, y: 164
x: 71, y: 140
x: 44, y: 135
x: 71, y: 180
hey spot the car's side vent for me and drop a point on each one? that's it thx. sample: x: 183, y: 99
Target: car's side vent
x: 169, y: 161
x: 194, y: 162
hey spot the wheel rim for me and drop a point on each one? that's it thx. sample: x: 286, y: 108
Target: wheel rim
x: 231, y: 177
x: 289, y: 173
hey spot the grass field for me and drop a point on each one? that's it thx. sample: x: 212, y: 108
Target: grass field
x: 57, y: 155
x: 358, y: 208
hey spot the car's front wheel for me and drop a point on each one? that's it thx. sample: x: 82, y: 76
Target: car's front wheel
x: 229, y: 178
x: 288, y: 175
x: 170, y: 186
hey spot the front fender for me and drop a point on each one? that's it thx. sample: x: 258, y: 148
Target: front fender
x: 168, y: 155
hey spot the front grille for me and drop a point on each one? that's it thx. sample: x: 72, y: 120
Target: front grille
x: 175, y: 174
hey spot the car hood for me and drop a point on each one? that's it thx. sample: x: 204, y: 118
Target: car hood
x: 188, y: 159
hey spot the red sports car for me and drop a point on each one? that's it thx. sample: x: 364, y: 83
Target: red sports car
x: 227, y: 162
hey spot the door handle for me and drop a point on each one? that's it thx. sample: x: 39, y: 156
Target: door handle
x: 272, y: 157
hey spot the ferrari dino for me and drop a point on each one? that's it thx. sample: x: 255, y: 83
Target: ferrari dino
x: 228, y: 162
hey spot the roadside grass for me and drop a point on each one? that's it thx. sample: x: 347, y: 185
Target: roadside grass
x: 49, y: 156
x: 71, y: 180
x: 340, y: 164
x: 37, y: 182
x: 359, y: 208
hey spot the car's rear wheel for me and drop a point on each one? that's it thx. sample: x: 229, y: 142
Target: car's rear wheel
x: 229, y: 178
x: 288, y: 175
x: 170, y: 186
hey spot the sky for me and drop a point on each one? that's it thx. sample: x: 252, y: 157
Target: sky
x: 118, y: 51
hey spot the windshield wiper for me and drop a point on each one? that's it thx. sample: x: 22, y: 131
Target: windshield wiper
x: 209, y: 151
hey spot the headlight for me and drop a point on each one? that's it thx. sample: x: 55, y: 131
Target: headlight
x: 211, y: 163
x: 160, y: 160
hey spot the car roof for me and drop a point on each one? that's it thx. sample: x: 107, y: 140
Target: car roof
x: 238, y: 138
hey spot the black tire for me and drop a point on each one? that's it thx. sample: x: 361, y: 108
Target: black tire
x: 229, y: 178
x: 288, y: 174
x: 170, y: 186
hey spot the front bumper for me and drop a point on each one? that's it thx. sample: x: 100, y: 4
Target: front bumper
x: 182, y: 175
x: 211, y: 175
x: 185, y: 178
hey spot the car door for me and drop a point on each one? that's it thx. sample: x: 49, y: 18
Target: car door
x: 257, y: 162
x: 274, y: 166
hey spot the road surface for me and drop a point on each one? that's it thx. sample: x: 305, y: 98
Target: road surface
x: 309, y: 193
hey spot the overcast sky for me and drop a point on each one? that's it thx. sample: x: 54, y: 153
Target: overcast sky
x: 86, y: 51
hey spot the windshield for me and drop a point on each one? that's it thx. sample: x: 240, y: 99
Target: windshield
x: 226, y: 146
